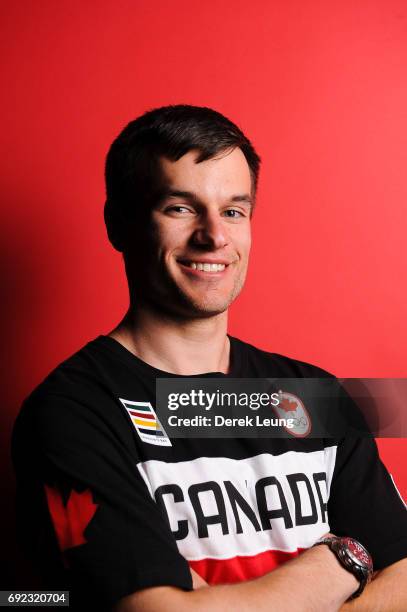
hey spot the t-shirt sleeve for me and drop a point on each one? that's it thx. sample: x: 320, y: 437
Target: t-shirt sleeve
x: 77, y: 477
x: 365, y: 504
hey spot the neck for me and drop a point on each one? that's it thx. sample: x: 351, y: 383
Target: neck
x: 186, y: 347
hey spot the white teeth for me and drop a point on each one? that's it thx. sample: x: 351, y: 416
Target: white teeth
x: 206, y: 267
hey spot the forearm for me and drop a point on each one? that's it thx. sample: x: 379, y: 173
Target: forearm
x: 313, y: 582
x: 386, y: 593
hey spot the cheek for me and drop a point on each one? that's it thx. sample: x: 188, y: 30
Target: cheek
x: 249, y: 244
x: 162, y: 244
x: 171, y: 236
x: 246, y: 243
x: 240, y: 236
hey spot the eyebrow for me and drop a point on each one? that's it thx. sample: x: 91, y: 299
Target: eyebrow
x: 189, y: 195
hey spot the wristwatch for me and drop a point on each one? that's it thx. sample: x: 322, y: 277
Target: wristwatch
x: 353, y: 557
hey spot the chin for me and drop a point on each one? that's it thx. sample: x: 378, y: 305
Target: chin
x: 208, y: 307
x: 208, y: 311
x: 197, y: 304
x: 194, y: 307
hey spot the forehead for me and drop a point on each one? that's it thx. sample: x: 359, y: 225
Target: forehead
x: 224, y: 175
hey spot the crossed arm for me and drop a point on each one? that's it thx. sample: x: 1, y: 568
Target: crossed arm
x: 313, y: 582
x: 386, y: 593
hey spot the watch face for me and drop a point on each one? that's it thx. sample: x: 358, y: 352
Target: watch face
x: 358, y: 553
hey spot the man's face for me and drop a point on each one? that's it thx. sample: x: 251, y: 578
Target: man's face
x: 197, y: 248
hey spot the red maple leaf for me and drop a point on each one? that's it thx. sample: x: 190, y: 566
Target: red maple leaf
x: 70, y: 521
x: 288, y: 405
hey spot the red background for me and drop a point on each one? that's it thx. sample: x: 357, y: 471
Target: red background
x: 321, y: 89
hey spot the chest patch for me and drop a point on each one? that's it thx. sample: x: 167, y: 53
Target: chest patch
x: 146, y: 423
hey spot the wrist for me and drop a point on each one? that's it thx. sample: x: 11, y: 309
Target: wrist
x: 352, y: 557
x: 337, y: 576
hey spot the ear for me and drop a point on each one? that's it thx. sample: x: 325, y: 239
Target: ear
x: 113, y: 225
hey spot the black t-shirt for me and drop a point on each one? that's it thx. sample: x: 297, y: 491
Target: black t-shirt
x: 104, y: 512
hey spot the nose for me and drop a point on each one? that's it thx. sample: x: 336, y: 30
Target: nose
x: 211, y: 232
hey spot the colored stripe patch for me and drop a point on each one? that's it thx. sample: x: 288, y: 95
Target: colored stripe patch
x: 146, y: 423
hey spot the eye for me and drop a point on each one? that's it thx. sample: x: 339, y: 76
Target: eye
x: 232, y: 213
x: 178, y: 210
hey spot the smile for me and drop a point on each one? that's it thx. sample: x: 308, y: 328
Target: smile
x: 204, y: 266
x: 207, y: 267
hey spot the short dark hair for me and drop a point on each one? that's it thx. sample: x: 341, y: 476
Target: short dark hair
x: 132, y: 165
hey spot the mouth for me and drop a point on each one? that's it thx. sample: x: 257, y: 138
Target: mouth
x: 204, y: 266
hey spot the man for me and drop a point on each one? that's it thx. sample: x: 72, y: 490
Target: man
x: 126, y: 521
